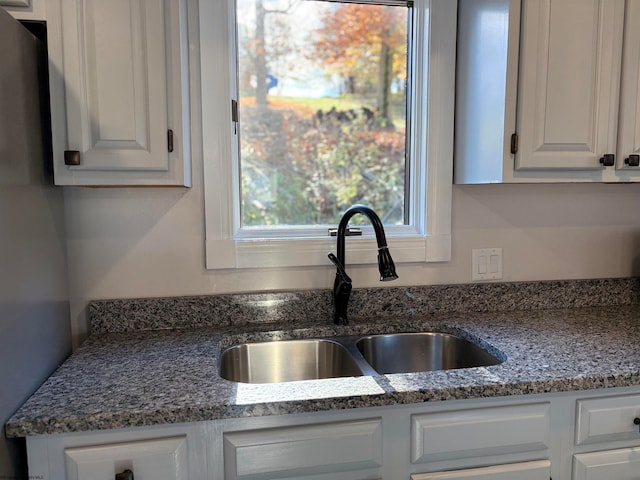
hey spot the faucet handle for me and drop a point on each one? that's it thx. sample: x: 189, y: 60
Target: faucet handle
x: 341, y: 271
x: 341, y: 292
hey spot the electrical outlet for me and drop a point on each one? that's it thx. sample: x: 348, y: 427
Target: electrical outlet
x: 486, y: 264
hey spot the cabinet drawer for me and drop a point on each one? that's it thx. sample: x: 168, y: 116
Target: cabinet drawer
x: 607, y: 419
x: 159, y: 459
x: 15, y: 3
x: 538, y: 470
x: 622, y: 464
x: 479, y: 432
x: 292, y: 452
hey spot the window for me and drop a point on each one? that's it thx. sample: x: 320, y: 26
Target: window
x: 320, y: 129
x: 323, y: 111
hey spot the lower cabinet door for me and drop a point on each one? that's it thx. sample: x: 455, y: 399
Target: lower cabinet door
x: 340, y: 451
x: 158, y: 459
x: 538, y: 470
x: 621, y: 464
x: 462, y: 434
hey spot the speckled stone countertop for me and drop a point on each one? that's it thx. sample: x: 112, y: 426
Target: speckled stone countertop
x: 132, y: 377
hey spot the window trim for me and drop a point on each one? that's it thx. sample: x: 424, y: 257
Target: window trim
x: 429, y: 242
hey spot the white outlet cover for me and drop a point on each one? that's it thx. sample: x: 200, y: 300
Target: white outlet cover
x: 486, y: 264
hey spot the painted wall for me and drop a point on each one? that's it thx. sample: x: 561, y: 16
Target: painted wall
x: 150, y: 242
x: 34, y: 311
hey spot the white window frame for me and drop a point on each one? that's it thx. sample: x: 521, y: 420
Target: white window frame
x: 430, y: 238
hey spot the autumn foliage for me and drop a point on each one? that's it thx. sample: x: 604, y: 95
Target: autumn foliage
x: 298, y: 170
x: 303, y: 165
x: 352, y: 34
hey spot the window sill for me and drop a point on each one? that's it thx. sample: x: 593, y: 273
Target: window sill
x: 269, y: 253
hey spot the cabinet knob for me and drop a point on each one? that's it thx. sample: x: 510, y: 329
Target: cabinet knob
x: 636, y: 421
x: 125, y: 475
x: 632, y: 160
x: 71, y: 157
x: 608, y: 160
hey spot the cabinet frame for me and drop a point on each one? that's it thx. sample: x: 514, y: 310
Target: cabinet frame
x: 518, y: 80
x: 206, y: 439
x: 72, y: 117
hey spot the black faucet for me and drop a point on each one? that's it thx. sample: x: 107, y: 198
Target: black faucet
x: 342, y: 283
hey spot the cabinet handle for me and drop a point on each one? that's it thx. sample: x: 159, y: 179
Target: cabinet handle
x: 608, y: 160
x: 170, y: 140
x: 125, y: 475
x: 632, y: 160
x: 636, y: 421
x: 71, y: 157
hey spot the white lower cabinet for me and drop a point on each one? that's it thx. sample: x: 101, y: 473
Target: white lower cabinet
x: 559, y: 436
x: 479, y: 432
x: 303, y: 451
x: 14, y: 3
x: 539, y: 470
x: 621, y: 464
x: 607, y: 419
x: 602, y: 423
x: 160, y: 459
x: 149, y: 453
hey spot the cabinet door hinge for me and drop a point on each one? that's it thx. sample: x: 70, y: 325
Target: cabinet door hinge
x: 514, y: 143
x: 170, y: 140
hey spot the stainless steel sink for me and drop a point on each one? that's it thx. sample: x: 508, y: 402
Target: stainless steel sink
x: 420, y: 352
x: 287, y: 361
x: 350, y: 356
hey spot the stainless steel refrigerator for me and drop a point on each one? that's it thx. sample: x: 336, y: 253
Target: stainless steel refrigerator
x: 34, y: 304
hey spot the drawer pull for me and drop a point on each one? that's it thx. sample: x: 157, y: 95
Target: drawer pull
x: 608, y: 160
x: 632, y: 160
x: 125, y: 475
x: 72, y: 157
x: 636, y: 421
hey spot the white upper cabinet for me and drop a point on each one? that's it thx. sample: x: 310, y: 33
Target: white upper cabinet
x: 628, y: 158
x: 569, y: 82
x: 567, y: 85
x: 121, y: 68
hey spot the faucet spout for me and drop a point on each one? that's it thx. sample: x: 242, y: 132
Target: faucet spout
x: 342, y: 284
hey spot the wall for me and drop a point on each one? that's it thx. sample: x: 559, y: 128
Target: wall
x: 150, y: 242
x: 34, y: 307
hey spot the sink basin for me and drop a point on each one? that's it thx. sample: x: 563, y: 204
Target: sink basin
x: 350, y: 356
x: 287, y: 361
x: 420, y: 352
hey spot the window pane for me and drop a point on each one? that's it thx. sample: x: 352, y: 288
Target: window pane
x: 323, y: 115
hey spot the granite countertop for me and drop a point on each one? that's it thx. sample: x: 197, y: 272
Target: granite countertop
x: 151, y: 377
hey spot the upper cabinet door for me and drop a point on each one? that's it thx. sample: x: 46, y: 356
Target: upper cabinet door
x: 124, y: 74
x: 569, y: 83
x: 628, y: 158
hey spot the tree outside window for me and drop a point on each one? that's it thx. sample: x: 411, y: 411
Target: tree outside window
x: 322, y: 110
